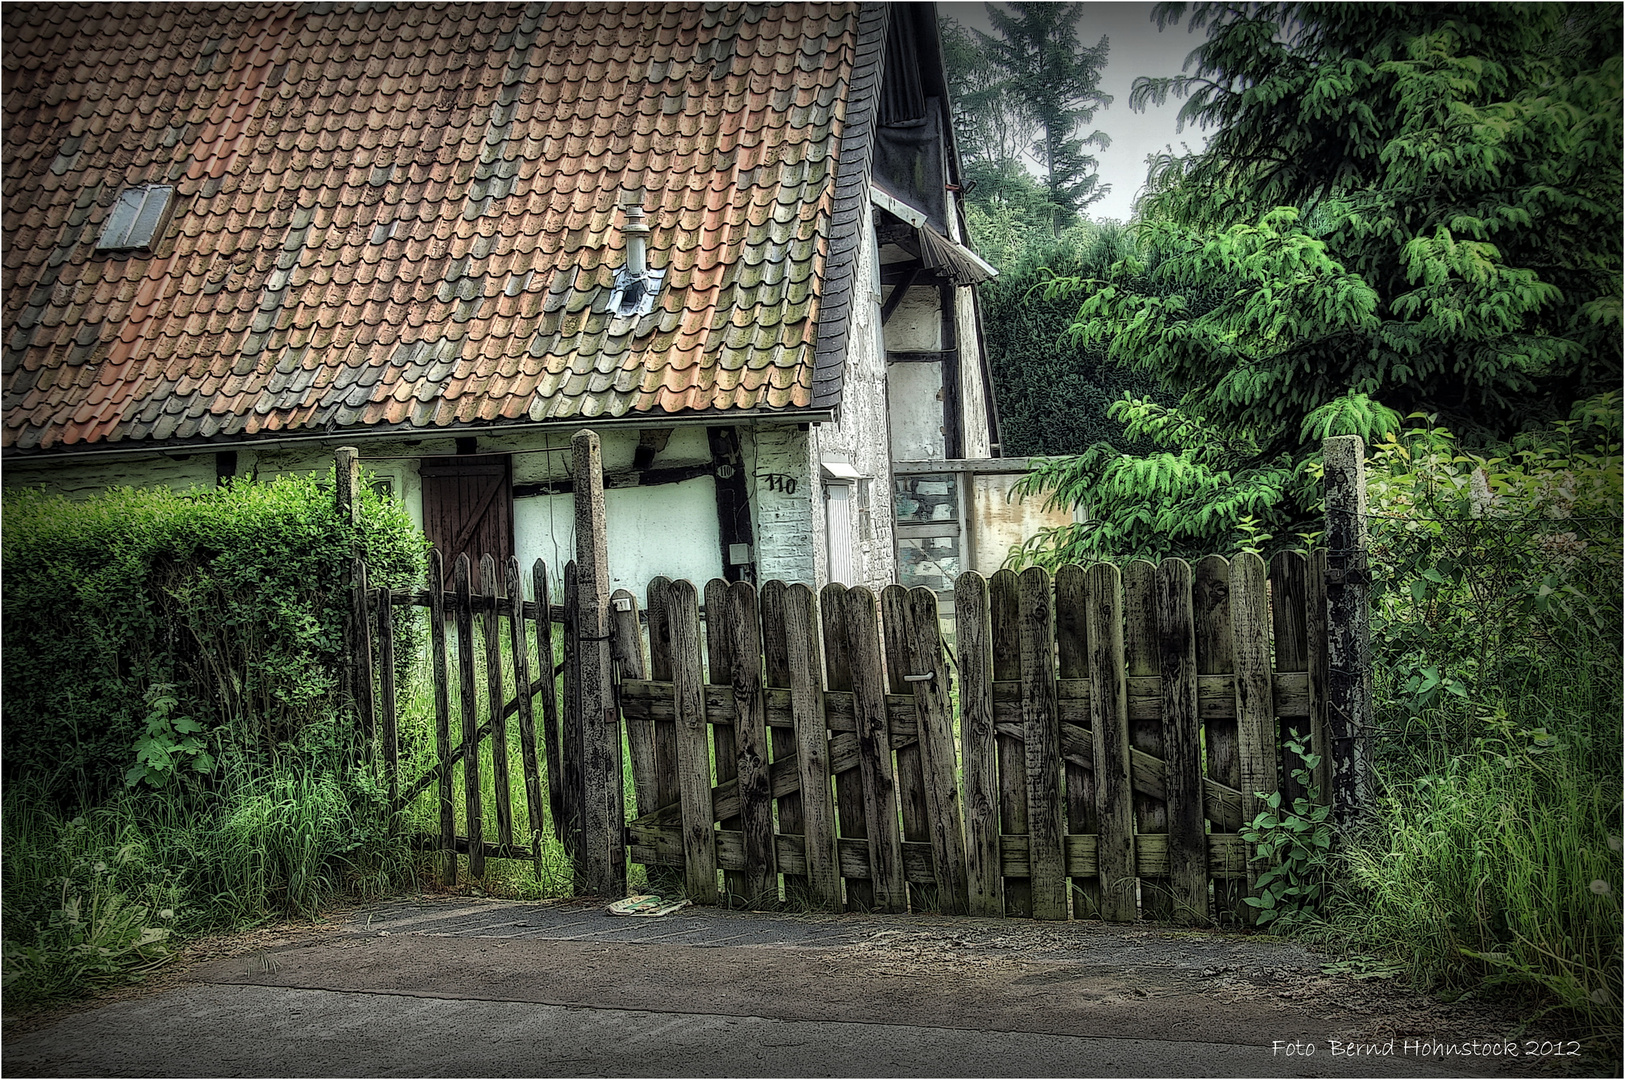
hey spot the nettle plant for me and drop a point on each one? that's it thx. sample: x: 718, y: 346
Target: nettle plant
x: 171, y: 745
x: 1295, y: 844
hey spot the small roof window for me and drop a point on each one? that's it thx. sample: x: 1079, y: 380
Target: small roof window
x: 136, y: 217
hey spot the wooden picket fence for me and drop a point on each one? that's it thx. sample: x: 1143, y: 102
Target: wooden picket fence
x: 1111, y: 732
x: 495, y: 602
x: 1092, y: 745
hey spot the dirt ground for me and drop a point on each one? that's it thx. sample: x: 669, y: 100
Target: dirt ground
x: 1164, y: 1001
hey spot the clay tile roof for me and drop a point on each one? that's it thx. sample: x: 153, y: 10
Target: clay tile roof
x: 400, y: 217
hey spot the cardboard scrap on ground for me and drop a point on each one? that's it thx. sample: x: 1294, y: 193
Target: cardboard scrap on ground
x: 647, y: 907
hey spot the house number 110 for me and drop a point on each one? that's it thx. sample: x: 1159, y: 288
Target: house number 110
x: 780, y: 482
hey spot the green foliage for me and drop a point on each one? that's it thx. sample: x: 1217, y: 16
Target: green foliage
x: 169, y: 743
x: 989, y: 128
x: 1196, y: 492
x: 1012, y: 220
x: 293, y: 839
x: 1054, y: 395
x: 1481, y: 557
x: 1497, y: 866
x: 92, y: 898
x: 1493, y: 855
x: 232, y: 597
x: 1401, y: 209
x: 1031, y: 89
x: 93, y: 936
x: 1461, y: 161
x: 1295, y: 844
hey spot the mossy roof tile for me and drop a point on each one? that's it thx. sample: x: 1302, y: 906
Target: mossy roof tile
x: 476, y: 143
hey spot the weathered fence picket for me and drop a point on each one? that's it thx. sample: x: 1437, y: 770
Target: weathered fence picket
x: 468, y: 706
x: 699, y: 849
x: 776, y: 656
x: 518, y: 646
x: 386, y: 696
x: 494, y: 702
x: 1006, y: 620
x: 744, y: 634
x: 1181, y: 742
x: 1142, y: 659
x: 1072, y: 636
x: 910, y: 769
x: 811, y: 747
x: 1210, y: 596
x: 873, y: 727
x: 1255, y: 703
x: 442, y: 714
x: 1084, y: 705
x: 979, y: 752
x: 1109, y: 720
x: 849, y: 800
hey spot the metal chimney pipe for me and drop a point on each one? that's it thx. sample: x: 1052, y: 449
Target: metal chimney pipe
x: 637, y: 242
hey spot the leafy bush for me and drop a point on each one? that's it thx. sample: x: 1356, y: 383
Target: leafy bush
x: 234, y: 598
x: 1493, y: 854
x: 1294, y: 845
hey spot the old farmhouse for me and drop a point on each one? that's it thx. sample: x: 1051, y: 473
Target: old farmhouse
x: 728, y: 237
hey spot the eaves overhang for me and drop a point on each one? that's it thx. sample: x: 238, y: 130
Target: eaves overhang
x: 169, y: 447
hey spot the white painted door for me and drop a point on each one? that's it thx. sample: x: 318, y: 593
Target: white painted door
x: 838, y: 518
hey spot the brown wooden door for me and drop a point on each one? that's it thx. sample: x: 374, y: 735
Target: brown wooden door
x: 468, y: 507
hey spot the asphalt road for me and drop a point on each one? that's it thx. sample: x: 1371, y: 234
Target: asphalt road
x: 486, y: 988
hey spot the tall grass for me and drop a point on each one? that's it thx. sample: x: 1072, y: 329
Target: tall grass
x: 1499, y: 866
x: 94, y: 897
x: 1492, y: 858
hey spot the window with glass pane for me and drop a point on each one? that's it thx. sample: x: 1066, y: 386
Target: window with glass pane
x: 928, y: 529
x: 135, y: 218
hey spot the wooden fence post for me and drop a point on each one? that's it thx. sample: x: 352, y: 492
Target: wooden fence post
x: 346, y: 482
x: 603, y: 806
x: 1348, y: 624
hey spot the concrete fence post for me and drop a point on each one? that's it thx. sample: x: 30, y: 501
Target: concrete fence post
x: 1348, y: 625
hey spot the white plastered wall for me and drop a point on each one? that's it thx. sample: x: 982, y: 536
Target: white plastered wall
x: 665, y: 530
x: 862, y: 437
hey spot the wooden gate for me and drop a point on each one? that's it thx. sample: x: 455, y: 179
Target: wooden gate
x: 485, y: 707
x: 1114, y: 729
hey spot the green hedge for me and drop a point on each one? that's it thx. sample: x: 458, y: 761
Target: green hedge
x: 1052, y: 393
x: 215, y: 614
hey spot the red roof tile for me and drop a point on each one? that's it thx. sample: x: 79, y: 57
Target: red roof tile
x: 388, y: 218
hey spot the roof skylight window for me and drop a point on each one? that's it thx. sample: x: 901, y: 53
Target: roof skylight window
x: 136, y: 217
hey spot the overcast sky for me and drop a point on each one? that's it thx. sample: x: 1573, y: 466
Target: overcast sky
x: 1137, y: 48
